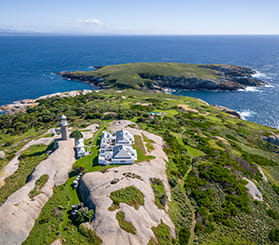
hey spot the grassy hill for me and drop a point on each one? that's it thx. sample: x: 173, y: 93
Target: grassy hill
x: 174, y: 75
x: 210, y: 153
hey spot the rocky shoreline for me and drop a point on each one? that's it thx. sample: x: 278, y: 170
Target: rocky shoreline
x: 24, y: 104
x: 226, y: 78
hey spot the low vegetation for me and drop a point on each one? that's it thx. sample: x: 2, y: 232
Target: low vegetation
x: 162, y: 235
x: 54, y: 221
x: 148, y: 143
x: 160, y: 195
x: 125, y: 225
x: 129, y: 195
x: 90, y: 234
x: 28, y: 160
x: 208, y: 152
x: 141, y: 152
x: 39, y: 184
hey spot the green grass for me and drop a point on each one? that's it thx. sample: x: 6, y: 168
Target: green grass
x: 127, y: 75
x: 90, y: 233
x: 54, y: 221
x: 148, y: 143
x: 193, y: 152
x: 141, y: 153
x: 89, y: 162
x: 129, y: 195
x: 125, y: 225
x: 39, y: 184
x: 10, y: 144
x: 159, y: 192
x: 162, y: 234
x: 28, y: 160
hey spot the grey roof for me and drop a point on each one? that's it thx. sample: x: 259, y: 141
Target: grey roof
x: 120, y: 136
x: 119, y: 152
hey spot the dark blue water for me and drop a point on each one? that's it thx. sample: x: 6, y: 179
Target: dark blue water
x: 27, y: 64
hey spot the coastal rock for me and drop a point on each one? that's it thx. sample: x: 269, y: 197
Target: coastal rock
x: 274, y: 139
x: 23, y: 105
x: 2, y: 154
x: 227, y: 110
x: 253, y: 190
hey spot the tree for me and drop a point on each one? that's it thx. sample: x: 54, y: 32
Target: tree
x: 76, y: 134
x: 84, y: 214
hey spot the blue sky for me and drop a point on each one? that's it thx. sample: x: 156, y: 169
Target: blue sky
x: 159, y: 17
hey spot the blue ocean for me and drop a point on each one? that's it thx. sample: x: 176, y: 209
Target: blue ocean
x: 28, y: 65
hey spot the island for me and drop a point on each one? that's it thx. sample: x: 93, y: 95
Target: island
x: 162, y: 76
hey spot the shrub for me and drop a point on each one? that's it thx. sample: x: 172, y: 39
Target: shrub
x: 130, y: 195
x: 172, y: 182
x: 273, y: 214
x: 184, y: 236
x: 159, y: 192
x: 76, y: 134
x: 89, y: 233
x: 274, y: 235
x: 83, y: 215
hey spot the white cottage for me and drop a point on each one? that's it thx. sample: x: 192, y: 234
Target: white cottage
x: 117, y: 148
x: 79, y: 148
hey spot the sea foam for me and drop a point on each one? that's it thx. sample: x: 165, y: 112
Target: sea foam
x: 259, y: 74
x: 246, y: 114
x: 250, y: 89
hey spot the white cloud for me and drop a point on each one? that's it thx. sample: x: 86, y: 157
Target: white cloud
x: 95, y: 22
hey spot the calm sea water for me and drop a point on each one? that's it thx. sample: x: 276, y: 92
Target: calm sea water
x: 28, y: 64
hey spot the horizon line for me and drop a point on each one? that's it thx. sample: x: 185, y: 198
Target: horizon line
x: 111, y: 34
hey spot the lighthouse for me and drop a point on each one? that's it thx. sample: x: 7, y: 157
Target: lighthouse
x: 64, y: 129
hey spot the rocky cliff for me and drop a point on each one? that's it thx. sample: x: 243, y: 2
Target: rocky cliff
x: 169, y: 75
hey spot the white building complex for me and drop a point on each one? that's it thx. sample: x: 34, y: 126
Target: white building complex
x: 117, y: 148
x: 79, y: 148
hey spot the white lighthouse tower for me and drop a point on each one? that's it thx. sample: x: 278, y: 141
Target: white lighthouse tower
x: 64, y: 129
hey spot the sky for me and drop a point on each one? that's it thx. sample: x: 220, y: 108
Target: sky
x: 141, y: 17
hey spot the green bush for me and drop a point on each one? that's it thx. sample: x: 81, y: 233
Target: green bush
x: 184, y: 236
x: 90, y: 234
x: 274, y: 235
x: 159, y: 192
x: 273, y: 214
x: 84, y: 214
x: 76, y: 134
x: 129, y: 195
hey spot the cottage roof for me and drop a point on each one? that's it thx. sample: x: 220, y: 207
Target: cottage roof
x: 120, y: 152
x: 123, y: 136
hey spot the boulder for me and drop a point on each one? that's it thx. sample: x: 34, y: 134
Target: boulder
x: 2, y: 154
x: 227, y: 110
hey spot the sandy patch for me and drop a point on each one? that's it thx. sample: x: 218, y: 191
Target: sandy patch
x: 57, y: 242
x: 223, y: 140
x: 88, y: 131
x: 187, y: 108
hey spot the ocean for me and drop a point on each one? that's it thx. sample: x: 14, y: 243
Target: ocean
x: 28, y: 65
